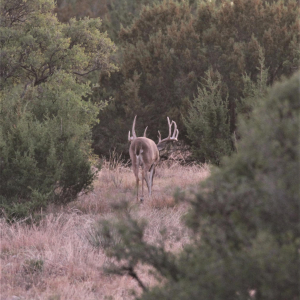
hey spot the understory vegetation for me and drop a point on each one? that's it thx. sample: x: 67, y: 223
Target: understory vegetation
x: 244, y: 219
x: 46, y: 114
x: 223, y: 222
x: 61, y: 256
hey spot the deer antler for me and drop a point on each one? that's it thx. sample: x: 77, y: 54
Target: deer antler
x: 145, y: 131
x: 145, y: 153
x: 133, y: 137
x: 161, y: 143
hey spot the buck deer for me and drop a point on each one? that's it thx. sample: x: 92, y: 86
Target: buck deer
x: 145, y: 153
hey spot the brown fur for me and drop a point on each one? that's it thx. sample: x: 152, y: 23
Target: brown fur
x: 143, y: 152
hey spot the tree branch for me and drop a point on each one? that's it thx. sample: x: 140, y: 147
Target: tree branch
x: 88, y: 72
x: 133, y: 274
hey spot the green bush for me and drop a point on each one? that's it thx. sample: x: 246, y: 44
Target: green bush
x: 249, y: 219
x: 166, y: 51
x: 207, y: 123
x: 244, y: 219
x: 45, y: 112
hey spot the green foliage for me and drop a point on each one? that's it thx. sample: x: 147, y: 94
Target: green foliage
x: 68, y: 9
x: 114, y: 13
x: 167, y: 50
x: 121, y: 14
x: 46, y: 114
x: 207, y: 122
x: 123, y: 239
x: 244, y: 218
x: 150, y: 67
x: 253, y: 91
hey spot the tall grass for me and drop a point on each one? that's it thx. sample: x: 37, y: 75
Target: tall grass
x: 54, y: 259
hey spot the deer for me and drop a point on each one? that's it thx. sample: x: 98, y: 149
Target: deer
x: 144, y: 153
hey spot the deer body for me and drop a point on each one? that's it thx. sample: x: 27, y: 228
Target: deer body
x: 145, y: 153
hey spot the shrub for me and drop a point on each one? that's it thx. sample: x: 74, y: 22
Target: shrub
x: 207, y: 123
x: 169, y: 47
x: 244, y: 219
x: 46, y: 115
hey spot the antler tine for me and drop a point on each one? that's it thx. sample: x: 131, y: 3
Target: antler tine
x: 177, y: 134
x: 131, y: 138
x: 162, y: 143
x: 133, y: 128
x: 175, y: 131
x: 170, y: 127
x: 159, y: 136
x: 145, y: 131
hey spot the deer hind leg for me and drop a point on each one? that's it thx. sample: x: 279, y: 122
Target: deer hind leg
x: 143, y: 177
x: 136, y: 174
x: 152, y: 173
x: 137, y: 187
x: 141, y: 163
x: 151, y: 176
x: 147, y: 179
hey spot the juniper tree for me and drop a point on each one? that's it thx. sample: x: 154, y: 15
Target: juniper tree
x: 168, y: 49
x: 46, y: 116
x: 243, y: 221
x: 207, y: 122
x: 159, y: 53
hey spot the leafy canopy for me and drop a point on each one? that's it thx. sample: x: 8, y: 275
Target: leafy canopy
x: 169, y: 47
x: 46, y: 115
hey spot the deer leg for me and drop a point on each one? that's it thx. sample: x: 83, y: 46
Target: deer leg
x: 136, y: 174
x: 143, y: 177
x: 137, y: 186
x: 148, y: 181
x: 152, y: 173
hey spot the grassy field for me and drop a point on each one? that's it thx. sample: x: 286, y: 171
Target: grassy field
x: 55, y: 261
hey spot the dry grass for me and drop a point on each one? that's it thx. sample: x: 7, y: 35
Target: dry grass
x: 54, y: 261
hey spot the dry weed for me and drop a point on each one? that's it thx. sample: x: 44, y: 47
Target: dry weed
x: 54, y: 260
x: 159, y: 202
